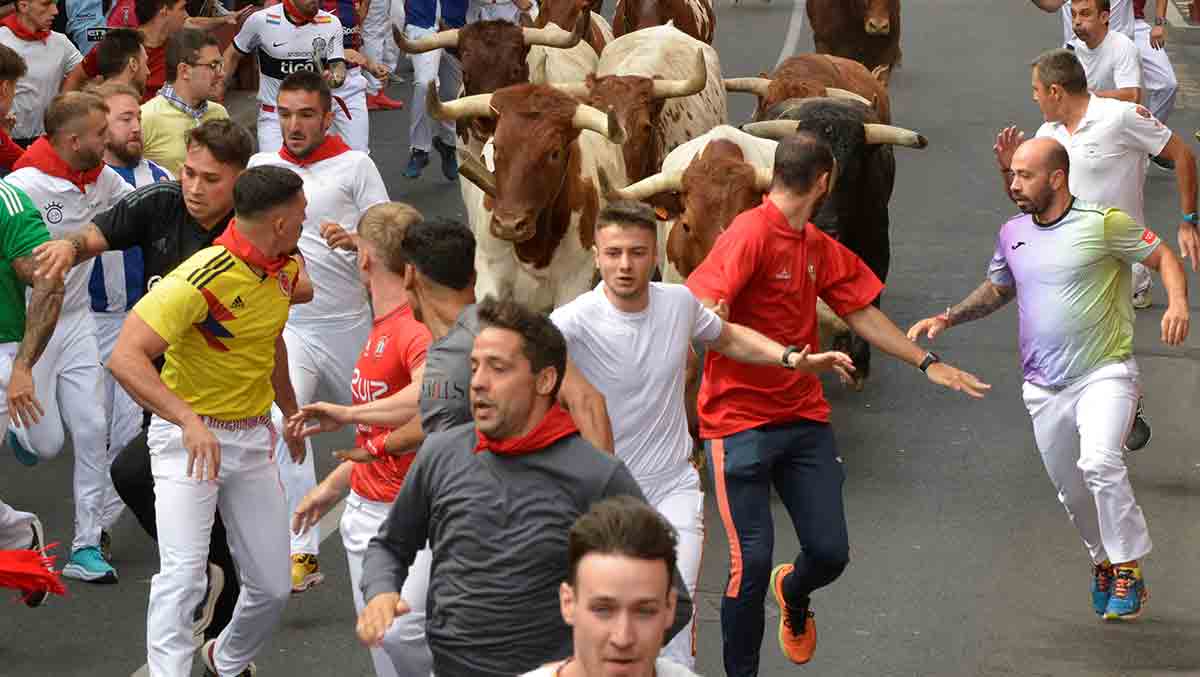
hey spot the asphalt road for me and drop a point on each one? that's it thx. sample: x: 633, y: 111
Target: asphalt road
x: 963, y: 563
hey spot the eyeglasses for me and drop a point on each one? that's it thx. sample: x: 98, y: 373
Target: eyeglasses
x: 217, y: 66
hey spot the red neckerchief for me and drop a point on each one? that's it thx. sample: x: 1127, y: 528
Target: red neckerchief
x: 42, y: 156
x: 554, y: 426
x: 332, y: 146
x: 233, y: 240
x: 22, y: 32
x: 294, y: 14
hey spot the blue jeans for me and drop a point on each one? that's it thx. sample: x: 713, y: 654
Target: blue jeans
x: 800, y: 460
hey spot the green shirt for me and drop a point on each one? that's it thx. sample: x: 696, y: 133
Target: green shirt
x: 21, y: 229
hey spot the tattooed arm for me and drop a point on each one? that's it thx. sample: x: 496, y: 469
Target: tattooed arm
x: 985, y: 300
x: 56, y: 257
x: 40, y: 318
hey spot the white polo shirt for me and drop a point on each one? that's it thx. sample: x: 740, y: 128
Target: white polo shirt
x: 1120, y: 19
x: 339, y: 189
x: 1116, y: 62
x: 48, y: 64
x: 1109, y: 152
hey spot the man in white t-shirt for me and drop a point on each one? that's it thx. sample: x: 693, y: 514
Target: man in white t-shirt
x: 630, y: 338
x: 50, y: 56
x: 1110, y: 60
x: 1120, y: 16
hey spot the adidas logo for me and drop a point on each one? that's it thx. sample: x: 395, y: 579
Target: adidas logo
x: 237, y: 304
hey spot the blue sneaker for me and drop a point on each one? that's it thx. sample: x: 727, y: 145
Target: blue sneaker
x: 449, y: 158
x: 1128, y: 594
x: 87, y: 564
x: 1102, y: 580
x: 416, y: 163
x: 24, y: 456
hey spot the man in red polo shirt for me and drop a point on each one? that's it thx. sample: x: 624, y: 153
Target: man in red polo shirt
x: 765, y: 426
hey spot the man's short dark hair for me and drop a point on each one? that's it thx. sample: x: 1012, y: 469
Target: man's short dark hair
x: 1061, y: 67
x: 542, y: 343
x: 184, y: 47
x: 309, y: 81
x: 116, y: 49
x: 442, y: 250
x: 146, y: 10
x: 628, y: 213
x: 621, y: 525
x: 12, y: 66
x: 68, y: 107
x: 228, y: 141
x: 260, y: 189
x: 799, y: 160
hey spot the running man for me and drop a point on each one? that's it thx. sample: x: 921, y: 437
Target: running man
x: 323, y: 337
x: 630, y: 338
x: 425, y: 133
x: 1158, y: 75
x: 218, y: 319
x: 1066, y: 261
x: 765, y: 426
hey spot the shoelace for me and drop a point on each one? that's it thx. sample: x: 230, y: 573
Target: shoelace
x: 796, y: 616
x: 1103, y: 575
x: 1123, y: 583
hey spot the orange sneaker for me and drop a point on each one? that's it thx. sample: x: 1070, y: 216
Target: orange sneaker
x: 799, y: 645
x: 382, y: 101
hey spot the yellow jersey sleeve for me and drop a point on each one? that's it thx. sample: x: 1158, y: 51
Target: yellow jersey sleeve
x: 172, y: 308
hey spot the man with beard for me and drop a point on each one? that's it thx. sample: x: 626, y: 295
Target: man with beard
x: 323, y: 337
x: 49, y: 55
x: 1066, y: 261
x: 65, y: 176
x: 169, y: 221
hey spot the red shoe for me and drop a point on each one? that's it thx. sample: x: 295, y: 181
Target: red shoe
x: 381, y: 101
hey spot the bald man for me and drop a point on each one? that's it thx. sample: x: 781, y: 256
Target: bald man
x: 1066, y: 261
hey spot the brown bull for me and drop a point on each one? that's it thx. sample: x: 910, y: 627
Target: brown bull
x: 566, y: 13
x: 694, y: 17
x: 867, y: 31
x: 811, y: 75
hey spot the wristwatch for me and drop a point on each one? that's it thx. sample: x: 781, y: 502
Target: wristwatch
x: 1160, y: 21
x: 787, y: 356
x: 1192, y: 218
x: 930, y: 358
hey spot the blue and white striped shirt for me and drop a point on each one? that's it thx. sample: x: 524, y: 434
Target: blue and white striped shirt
x: 117, y: 278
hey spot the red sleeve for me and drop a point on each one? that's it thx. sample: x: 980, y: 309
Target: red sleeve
x: 731, y: 264
x: 10, y: 152
x: 89, y: 64
x: 844, y: 281
x: 418, y: 344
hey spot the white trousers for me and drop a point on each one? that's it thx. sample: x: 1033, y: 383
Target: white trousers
x: 1158, y: 75
x: 378, y: 44
x: 493, y: 11
x: 69, y: 382
x: 350, y: 121
x: 251, y: 501
x: 1080, y: 432
x: 428, y: 67
x: 15, y: 533
x: 405, y: 650
x: 682, y: 504
x: 123, y: 413
x: 317, y: 357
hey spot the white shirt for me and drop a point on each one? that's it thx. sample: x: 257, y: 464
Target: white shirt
x: 637, y: 361
x: 339, y: 189
x: 1120, y: 19
x: 66, y: 210
x: 663, y: 667
x: 284, y: 48
x: 48, y: 64
x: 1116, y: 62
x: 1109, y: 152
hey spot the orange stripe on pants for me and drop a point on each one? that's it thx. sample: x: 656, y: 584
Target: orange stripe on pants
x: 735, y: 547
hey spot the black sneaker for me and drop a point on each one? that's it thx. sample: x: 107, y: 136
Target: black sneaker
x: 106, y: 546
x: 203, y: 615
x: 1163, y: 163
x: 36, y: 599
x: 449, y: 159
x: 1139, y: 433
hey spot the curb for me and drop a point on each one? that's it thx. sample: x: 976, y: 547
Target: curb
x: 1178, y: 27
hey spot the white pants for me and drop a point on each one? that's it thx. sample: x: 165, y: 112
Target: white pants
x: 682, y: 504
x: 1158, y: 76
x: 350, y: 121
x: 428, y: 67
x: 15, y: 533
x: 1080, y: 431
x: 69, y: 382
x: 123, y: 413
x: 317, y: 356
x: 378, y: 44
x: 405, y: 650
x: 494, y: 11
x: 251, y: 501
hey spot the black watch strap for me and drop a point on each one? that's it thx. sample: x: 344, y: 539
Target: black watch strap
x: 930, y: 358
x: 787, y: 356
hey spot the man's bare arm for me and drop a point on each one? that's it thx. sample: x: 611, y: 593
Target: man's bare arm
x: 132, y: 364
x: 1130, y: 94
x: 281, y: 380
x: 406, y: 438
x: 1049, y: 5
x: 233, y: 58
x: 56, y: 257
x: 42, y: 312
x: 588, y: 408
x: 985, y: 300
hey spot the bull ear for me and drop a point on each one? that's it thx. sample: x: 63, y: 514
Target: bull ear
x: 667, y: 206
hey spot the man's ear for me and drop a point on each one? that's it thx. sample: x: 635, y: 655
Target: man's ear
x: 566, y: 603
x: 545, y: 380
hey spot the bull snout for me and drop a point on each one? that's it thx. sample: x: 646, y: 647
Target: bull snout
x: 512, y: 227
x: 878, y: 26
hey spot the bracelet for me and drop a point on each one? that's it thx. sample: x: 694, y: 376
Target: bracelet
x: 946, y: 316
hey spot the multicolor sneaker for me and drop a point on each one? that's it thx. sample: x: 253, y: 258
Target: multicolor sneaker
x: 24, y: 456
x: 106, y: 546
x: 305, y: 572
x: 203, y: 615
x: 1102, y: 579
x: 37, y: 542
x: 797, y: 629
x: 1128, y: 594
x: 87, y: 564
x: 210, y: 669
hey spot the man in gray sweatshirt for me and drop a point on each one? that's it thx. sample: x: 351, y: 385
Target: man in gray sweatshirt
x: 496, y: 499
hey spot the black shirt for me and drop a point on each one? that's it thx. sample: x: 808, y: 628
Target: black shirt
x: 155, y: 218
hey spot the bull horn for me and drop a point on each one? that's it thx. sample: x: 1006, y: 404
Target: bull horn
x: 442, y: 40
x: 463, y: 108
x: 587, y: 117
x: 662, y: 182
x: 771, y: 129
x: 896, y: 136
x: 472, y: 169
x: 835, y: 93
x: 763, y: 176
x: 668, y: 89
x: 578, y: 90
x: 554, y: 35
x: 756, y: 86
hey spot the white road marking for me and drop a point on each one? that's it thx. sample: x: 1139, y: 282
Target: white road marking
x: 328, y: 525
x: 795, y: 23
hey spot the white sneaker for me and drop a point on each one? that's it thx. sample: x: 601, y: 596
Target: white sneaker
x: 203, y: 615
x: 1142, y: 299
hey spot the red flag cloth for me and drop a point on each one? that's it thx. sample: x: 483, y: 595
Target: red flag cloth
x: 29, y: 571
x: 295, y: 15
x: 554, y: 426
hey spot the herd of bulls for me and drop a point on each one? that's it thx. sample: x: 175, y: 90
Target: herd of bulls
x: 558, y: 119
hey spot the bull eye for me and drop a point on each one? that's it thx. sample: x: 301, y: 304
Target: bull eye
x: 555, y: 154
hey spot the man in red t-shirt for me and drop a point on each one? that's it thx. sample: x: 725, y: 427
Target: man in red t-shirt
x: 393, y: 357
x: 764, y: 426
